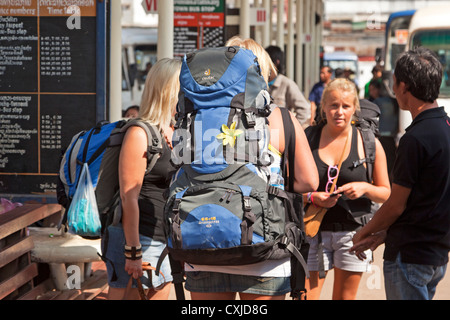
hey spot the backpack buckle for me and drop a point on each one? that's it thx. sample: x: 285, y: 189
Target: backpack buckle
x: 247, y: 205
x: 176, y: 206
x: 251, y: 119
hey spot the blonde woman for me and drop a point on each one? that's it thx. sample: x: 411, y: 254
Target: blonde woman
x: 267, y: 280
x: 141, y: 232
x: 352, y: 198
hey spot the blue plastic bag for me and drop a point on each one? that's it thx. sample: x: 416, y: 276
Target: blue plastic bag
x: 83, y: 217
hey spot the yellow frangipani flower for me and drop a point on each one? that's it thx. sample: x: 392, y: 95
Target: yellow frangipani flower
x: 229, y: 135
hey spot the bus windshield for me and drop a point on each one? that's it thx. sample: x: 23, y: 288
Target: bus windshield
x: 343, y: 64
x: 438, y: 41
x: 396, y: 38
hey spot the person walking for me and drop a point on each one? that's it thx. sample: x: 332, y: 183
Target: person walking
x: 140, y: 238
x: 414, y: 222
x: 315, y: 96
x: 377, y: 73
x: 284, y: 91
x: 270, y: 279
x: 337, y: 145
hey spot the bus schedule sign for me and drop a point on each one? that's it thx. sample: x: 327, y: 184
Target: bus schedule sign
x: 48, y: 88
x: 197, y: 25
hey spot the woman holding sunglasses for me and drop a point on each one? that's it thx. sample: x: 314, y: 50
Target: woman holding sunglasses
x: 349, y: 203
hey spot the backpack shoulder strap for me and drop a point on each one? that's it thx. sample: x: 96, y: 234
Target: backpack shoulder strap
x: 154, y: 139
x: 368, y: 138
x: 289, y: 147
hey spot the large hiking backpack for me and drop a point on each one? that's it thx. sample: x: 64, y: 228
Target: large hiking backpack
x: 368, y: 124
x: 100, y: 147
x: 221, y: 209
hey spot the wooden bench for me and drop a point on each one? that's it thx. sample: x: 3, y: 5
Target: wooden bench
x: 16, y: 268
x: 24, y: 247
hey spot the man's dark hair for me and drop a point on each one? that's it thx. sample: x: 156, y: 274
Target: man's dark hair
x: 275, y: 54
x: 421, y: 71
x: 329, y: 69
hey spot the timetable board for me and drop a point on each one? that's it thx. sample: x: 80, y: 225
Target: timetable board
x: 49, y: 84
x: 198, y: 25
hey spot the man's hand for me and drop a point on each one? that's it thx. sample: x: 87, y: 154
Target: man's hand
x: 370, y: 242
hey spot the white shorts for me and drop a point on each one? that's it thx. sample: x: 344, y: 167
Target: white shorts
x: 336, y: 246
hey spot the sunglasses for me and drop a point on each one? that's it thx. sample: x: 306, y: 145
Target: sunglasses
x: 333, y: 172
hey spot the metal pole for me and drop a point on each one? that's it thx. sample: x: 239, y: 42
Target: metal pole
x: 306, y: 17
x: 299, y: 44
x: 165, y: 29
x: 280, y: 24
x: 115, y: 90
x: 244, y: 23
x: 258, y: 29
x: 266, y: 38
x: 290, y: 42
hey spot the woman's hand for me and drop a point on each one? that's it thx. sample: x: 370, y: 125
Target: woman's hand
x: 134, y: 268
x: 353, y: 190
x: 324, y: 199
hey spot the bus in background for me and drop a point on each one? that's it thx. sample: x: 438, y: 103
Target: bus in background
x: 430, y: 28
x: 138, y: 55
x: 396, y: 36
x: 343, y: 60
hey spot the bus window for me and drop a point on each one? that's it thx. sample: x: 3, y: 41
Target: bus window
x: 396, y: 36
x: 439, y: 42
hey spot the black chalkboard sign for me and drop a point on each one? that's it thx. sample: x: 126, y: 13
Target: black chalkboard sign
x: 49, y: 82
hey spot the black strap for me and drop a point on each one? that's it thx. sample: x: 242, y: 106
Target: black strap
x: 177, y: 273
x: 322, y: 272
x: 299, y: 267
x: 289, y: 148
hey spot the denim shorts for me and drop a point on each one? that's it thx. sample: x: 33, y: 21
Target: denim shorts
x: 151, y: 251
x: 336, y: 246
x: 204, y: 281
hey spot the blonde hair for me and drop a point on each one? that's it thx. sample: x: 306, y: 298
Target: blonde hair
x: 160, y: 94
x: 264, y: 60
x: 341, y: 84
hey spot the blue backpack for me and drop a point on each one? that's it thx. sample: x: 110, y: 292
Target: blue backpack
x: 99, y: 148
x: 221, y: 208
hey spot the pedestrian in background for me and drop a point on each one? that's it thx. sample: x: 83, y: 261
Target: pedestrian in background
x: 417, y: 214
x: 377, y: 73
x: 131, y: 112
x: 284, y: 91
x: 315, y: 96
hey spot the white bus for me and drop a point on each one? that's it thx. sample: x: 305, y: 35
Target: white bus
x: 430, y: 28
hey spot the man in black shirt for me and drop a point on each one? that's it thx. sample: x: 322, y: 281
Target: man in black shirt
x: 417, y: 214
